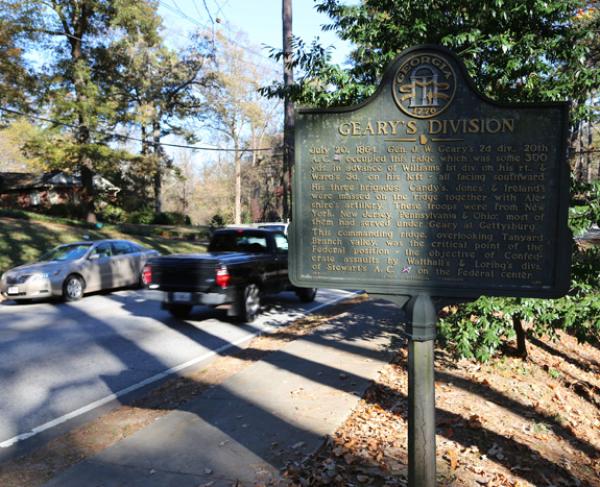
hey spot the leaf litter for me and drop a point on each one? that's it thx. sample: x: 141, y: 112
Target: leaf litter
x: 504, y: 423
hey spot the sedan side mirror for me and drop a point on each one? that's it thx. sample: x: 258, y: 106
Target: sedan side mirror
x: 94, y: 257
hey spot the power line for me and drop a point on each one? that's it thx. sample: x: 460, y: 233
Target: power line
x: 272, y: 70
x: 135, y: 139
x: 181, y: 14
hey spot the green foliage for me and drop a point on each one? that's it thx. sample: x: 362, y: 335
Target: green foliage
x: 584, y: 210
x: 246, y: 216
x: 15, y: 78
x: 579, y: 311
x: 77, y: 104
x: 555, y: 374
x: 12, y: 139
x: 144, y: 216
x: 481, y: 328
x: 171, y: 218
x: 516, y: 51
x: 217, y: 221
x: 112, y: 214
x: 160, y: 86
x: 478, y: 329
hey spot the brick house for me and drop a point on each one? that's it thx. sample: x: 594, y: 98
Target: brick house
x: 42, y: 191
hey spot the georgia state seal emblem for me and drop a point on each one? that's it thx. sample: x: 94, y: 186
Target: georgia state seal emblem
x: 424, y: 85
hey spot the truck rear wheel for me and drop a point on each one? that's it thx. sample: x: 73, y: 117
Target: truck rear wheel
x: 249, y: 303
x: 180, y: 311
x: 306, y: 294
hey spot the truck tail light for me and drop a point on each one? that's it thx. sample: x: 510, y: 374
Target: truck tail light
x: 147, y: 274
x: 222, y: 277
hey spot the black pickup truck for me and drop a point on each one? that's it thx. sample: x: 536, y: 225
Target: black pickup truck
x: 241, y: 264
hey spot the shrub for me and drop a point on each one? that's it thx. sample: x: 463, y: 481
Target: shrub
x: 144, y: 216
x: 112, y: 214
x: 171, y: 218
x: 217, y: 221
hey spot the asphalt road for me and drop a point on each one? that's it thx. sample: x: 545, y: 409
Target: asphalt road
x: 64, y: 363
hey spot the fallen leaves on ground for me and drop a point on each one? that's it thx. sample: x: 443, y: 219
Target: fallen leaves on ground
x: 506, y: 423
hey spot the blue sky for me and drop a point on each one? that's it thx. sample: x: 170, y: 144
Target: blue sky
x: 260, y: 19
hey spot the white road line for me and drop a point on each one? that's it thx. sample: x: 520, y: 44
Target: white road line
x: 161, y: 375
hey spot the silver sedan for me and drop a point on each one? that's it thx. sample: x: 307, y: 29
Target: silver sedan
x: 73, y: 269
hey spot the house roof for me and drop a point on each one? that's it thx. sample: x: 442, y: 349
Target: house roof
x: 17, y: 181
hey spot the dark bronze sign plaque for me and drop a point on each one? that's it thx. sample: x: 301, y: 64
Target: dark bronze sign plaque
x: 430, y: 187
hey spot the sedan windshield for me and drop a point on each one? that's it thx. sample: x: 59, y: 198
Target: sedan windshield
x: 66, y: 252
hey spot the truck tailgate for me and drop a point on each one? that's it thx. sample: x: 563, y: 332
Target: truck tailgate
x: 184, y: 273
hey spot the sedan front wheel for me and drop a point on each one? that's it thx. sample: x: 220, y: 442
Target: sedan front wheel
x: 73, y: 288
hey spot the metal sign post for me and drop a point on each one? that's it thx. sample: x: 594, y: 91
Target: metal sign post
x: 420, y: 331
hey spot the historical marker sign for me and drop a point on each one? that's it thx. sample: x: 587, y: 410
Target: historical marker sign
x: 430, y: 187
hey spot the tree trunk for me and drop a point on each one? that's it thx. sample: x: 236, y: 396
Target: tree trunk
x: 238, y: 186
x: 143, y: 181
x: 80, y: 24
x: 288, y: 119
x: 86, y: 172
x: 86, y: 165
x: 521, y: 337
x: 88, y: 194
x: 589, y: 147
x: 580, y: 159
x: 158, y: 170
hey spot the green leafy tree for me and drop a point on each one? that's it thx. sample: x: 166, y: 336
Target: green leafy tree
x: 479, y: 329
x: 158, y: 88
x: 15, y: 77
x: 12, y: 140
x: 74, y: 37
x: 515, y: 51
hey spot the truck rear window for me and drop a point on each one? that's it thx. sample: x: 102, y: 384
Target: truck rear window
x: 236, y: 242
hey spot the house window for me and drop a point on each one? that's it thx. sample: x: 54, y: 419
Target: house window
x: 54, y: 197
x: 35, y: 198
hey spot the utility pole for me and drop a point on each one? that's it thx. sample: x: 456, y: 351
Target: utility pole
x: 288, y: 116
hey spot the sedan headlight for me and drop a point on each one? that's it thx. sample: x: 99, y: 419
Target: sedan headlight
x: 21, y: 278
x: 39, y: 276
